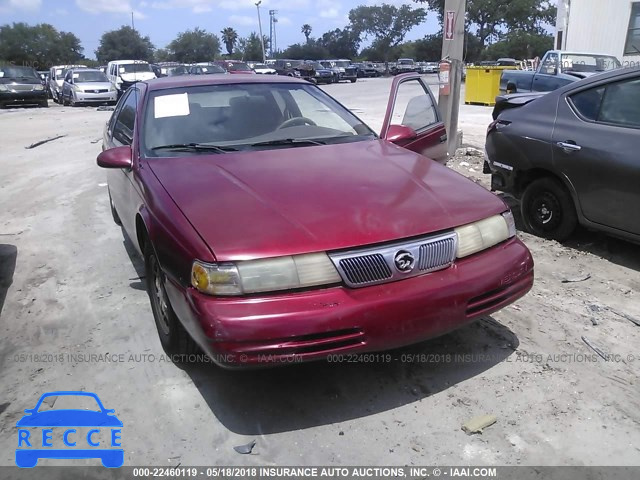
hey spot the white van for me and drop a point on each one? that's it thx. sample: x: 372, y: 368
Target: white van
x: 124, y: 73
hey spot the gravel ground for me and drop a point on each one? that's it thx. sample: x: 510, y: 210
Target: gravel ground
x: 70, y: 287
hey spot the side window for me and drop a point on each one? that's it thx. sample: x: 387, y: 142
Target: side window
x: 621, y: 104
x: 125, y: 121
x: 67, y: 77
x: 587, y: 102
x: 413, y: 106
x: 550, y: 64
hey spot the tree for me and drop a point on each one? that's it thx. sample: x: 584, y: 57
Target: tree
x: 311, y: 50
x: 163, y: 55
x: 124, y: 43
x: 251, y: 48
x: 491, y: 18
x: 306, y: 30
x: 388, y: 24
x: 519, y: 44
x: 38, y: 46
x: 229, y: 38
x: 195, y: 45
x: 341, y: 43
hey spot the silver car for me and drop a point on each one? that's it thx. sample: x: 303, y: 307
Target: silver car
x: 87, y: 86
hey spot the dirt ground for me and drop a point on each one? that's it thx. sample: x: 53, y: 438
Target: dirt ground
x: 71, y: 287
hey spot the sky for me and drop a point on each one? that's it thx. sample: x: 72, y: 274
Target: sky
x: 162, y: 20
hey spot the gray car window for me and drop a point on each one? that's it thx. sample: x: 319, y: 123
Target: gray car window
x: 621, y: 104
x: 123, y: 130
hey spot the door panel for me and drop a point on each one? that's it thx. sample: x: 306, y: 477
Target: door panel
x: 412, y: 104
x: 600, y: 159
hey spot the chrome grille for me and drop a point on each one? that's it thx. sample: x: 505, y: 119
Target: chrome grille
x: 436, y: 254
x: 387, y: 263
x: 365, y: 269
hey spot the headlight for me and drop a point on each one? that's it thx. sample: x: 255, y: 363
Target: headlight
x: 38, y: 87
x: 264, y: 275
x: 478, y: 236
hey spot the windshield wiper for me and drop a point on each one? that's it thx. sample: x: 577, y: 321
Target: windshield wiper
x: 196, y: 147
x: 288, y: 141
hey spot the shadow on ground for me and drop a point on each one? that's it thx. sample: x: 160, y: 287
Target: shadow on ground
x: 8, y: 257
x: 290, y: 398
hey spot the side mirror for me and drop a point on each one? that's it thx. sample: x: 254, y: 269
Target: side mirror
x: 118, y: 157
x: 400, y: 133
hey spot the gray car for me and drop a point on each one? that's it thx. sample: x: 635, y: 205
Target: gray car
x: 87, y: 86
x: 570, y: 156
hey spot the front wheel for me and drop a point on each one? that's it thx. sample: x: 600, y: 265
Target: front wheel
x: 353, y: 80
x: 548, y: 210
x: 173, y: 337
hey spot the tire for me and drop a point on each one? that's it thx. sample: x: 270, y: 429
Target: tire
x: 45, y: 104
x: 353, y: 80
x: 173, y: 337
x: 548, y: 210
x: 63, y: 102
x: 114, y: 212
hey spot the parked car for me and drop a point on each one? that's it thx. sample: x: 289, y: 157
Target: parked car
x: 569, y: 155
x: 167, y: 69
x: 315, y: 72
x: 287, y: 67
x: 21, y: 86
x: 318, y: 255
x: 124, y: 73
x: 87, y: 86
x: 405, y: 65
x: 207, y: 69
x: 342, y: 69
x: 56, y: 79
x: 262, y: 68
x: 431, y: 67
x: 557, y: 68
x: 235, y: 67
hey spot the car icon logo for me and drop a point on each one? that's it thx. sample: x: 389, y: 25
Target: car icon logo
x: 60, y: 433
x: 404, y: 261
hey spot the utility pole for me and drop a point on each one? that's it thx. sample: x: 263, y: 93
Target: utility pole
x: 264, y: 58
x: 452, y: 51
x: 272, y: 31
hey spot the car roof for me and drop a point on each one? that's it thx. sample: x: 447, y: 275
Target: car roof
x: 194, y: 81
x: 128, y: 61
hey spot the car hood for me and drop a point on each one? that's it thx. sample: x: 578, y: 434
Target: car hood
x: 94, y: 85
x: 69, y: 418
x: 294, y: 200
x: 137, y: 76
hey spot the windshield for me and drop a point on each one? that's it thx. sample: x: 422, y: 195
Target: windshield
x: 572, y: 62
x: 343, y: 63
x: 295, y: 63
x: 260, y: 65
x: 18, y: 72
x: 89, y: 76
x: 174, y: 71
x: 405, y: 62
x: 238, y: 67
x: 315, y: 66
x: 240, y: 115
x: 134, y: 67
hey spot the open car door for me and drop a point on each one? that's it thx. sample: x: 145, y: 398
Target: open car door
x: 413, y: 120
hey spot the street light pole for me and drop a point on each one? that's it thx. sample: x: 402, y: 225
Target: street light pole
x: 264, y: 58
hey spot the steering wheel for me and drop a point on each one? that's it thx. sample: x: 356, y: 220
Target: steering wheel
x: 292, y: 122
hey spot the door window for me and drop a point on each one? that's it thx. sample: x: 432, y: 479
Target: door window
x: 414, y: 106
x: 621, y: 104
x: 125, y: 121
x: 587, y: 102
x: 550, y: 64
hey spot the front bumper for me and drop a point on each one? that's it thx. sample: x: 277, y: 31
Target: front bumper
x: 32, y: 97
x: 85, y: 97
x: 314, y: 324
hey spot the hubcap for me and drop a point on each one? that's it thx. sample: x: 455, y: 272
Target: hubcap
x: 546, y: 211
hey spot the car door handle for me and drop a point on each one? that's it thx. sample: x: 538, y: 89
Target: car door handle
x: 569, y: 147
x: 443, y: 138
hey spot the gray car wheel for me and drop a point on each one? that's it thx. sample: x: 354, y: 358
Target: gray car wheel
x: 548, y: 210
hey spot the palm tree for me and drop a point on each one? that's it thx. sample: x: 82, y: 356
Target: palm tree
x: 229, y: 38
x: 306, y: 29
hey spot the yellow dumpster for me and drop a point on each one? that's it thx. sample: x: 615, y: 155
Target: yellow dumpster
x: 483, y: 84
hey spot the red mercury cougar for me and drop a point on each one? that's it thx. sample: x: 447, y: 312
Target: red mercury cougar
x: 274, y: 224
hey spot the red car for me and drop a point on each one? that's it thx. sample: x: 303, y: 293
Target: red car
x: 234, y: 66
x: 274, y: 224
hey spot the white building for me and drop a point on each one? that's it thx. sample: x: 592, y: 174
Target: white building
x: 600, y: 26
